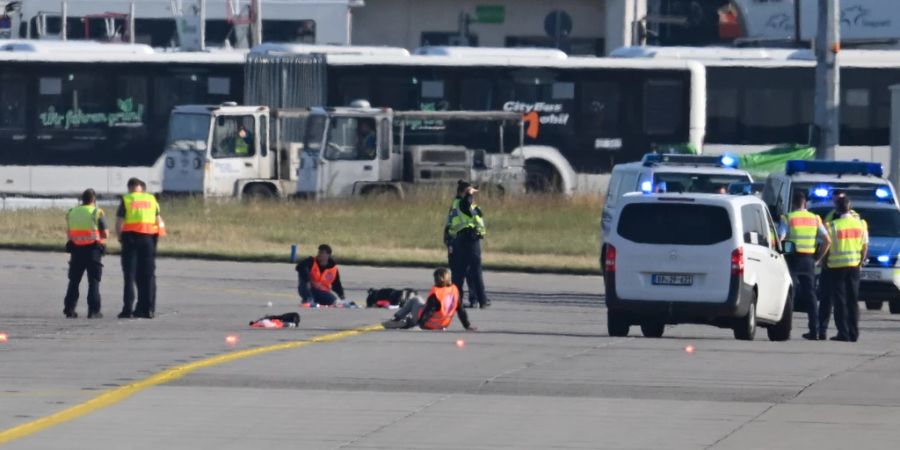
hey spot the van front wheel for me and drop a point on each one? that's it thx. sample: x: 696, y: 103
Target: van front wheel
x: 781, y: 331
x: 653, y: 329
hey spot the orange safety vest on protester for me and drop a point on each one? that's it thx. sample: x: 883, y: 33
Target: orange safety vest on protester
x: 141, y: 211
x: 448, y: 297
x: 322, y: 280
x: 83, y: 224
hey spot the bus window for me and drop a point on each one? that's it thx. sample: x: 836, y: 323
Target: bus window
x: 12, y: 106
x: 663, y: 100
x: 130, y: 117
x: 599, y: 108
x: 176, y: 89
x: 475, y: 94
x: 352, y: 88
x: 770, y: 112
x: 722, y: 114
x: 395, y: 92
x: 75, y: 104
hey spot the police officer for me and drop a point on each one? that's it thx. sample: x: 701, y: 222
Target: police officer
x: 86, y: 232
x: 841, y: 275
x: 466, y: 230
x: 803, y: 229
x: 139, y: 225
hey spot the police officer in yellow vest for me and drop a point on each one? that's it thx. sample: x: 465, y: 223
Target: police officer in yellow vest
x: 139, y: 225
x: 87, y: 232
x: 850, y: 239
x: 804, y: 229
x: 465, y: 231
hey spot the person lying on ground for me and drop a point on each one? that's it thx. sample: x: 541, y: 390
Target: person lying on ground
x: 435, y: 313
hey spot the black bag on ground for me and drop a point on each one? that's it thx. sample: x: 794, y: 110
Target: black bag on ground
x: 384, y: 297
x: 286, y: 318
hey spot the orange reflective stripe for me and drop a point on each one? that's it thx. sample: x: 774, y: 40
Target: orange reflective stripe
x: 84, y: 237
x: 850, y: 233
x: 804, y: 222
x: 141, y: 204
x: 143, y: 228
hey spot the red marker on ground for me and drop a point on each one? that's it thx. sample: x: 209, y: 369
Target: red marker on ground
x: 231, y: 339
x: 689, y: 349
x: 460, y: 343
x: 3, y: 338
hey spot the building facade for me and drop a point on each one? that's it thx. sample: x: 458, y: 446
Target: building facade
x: 584, y: 27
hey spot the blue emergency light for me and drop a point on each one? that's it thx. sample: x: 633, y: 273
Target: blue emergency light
x: 884, y: 259
x: 821, y: 192
x: 647, y: 187
x: 651, y: 159
x: 728, y: 161
x: 834, y: 167
x: 883, y: 193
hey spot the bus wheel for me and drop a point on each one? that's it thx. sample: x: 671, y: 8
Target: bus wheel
x: 541, y: 178
x: 258, y: 191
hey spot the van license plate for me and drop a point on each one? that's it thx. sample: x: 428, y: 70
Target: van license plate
x: 672, y: 280
x: 869, y: 275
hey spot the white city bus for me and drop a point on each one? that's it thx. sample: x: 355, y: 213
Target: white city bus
x: 762, y: 98
x: 81, y: 114
x: 78, y: 114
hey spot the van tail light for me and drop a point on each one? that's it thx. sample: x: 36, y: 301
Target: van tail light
x: 610, y: 262
x: 737, y: 262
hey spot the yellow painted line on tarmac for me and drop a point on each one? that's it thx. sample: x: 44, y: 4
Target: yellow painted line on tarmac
x: 112, y: 396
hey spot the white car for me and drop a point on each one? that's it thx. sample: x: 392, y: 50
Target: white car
x: 696, y: 258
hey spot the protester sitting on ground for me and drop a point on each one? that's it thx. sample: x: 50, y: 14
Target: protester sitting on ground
x: 319, y: 279
x: 435, y: 313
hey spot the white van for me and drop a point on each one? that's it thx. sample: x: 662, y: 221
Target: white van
x: 669, y: 173
x: 696, y: 258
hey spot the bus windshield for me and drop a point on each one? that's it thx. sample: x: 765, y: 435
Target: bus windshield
x: 703, y: 183
x: 188, y: 132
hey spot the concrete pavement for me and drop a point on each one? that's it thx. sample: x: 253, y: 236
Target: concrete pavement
x: 540, y: 374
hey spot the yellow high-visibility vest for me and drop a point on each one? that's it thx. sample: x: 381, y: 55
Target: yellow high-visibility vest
x: 460, y: 221
x: 141, y: 210
x: 83, y: 225
x: 847, y: 237
x: 803, y: 227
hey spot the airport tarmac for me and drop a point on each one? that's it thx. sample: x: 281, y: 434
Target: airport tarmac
x: 540, y: 374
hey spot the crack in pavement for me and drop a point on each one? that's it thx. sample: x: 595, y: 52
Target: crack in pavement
x: 797, y: 394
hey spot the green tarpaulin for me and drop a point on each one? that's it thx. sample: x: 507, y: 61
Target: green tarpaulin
x: 763, y: 163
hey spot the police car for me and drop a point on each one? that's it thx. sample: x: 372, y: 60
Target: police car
x: 870, y: 195
x: 670, y: 173
x: 820, y: 178
x: 696, y: 258
x: 880, y: 274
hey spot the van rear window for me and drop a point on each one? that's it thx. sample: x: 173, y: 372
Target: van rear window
x: 674, y: 224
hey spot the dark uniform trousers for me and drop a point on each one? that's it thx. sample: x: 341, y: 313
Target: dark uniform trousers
x: 803, y: 273
x: 84, y: 258
x: 841, y: 288
x: 465, y: 265
x: 139, y: 268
